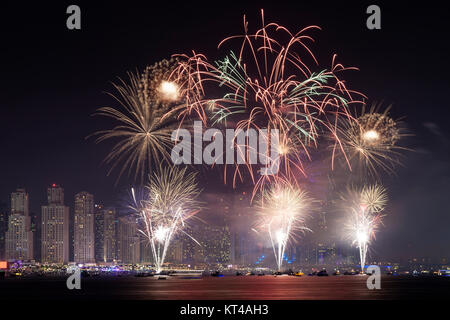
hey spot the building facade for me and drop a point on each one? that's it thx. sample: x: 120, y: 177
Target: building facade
x: 129, y: 240
x: 3, y: 228
x: 19, y: 237
x: 105, y: 234
x: 55, y: 228
x: 84, y: 228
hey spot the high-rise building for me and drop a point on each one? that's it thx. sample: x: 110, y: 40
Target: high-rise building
x: 55, y: 195
x: 216, y: 244
x: 146, y: 250
x: 98, y: 232
x: 105, y: 234
x: 55, y: 228
x: 36, y: 229
x: 175, y: 251
x: 19, y: 237
x: 128, y: 249
x: 3, y: 229
x: 84, y: 228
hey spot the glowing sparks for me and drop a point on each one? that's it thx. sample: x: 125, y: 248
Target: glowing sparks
x: 364, y: 207
x: 165, y: 207
x: 371, y: 135
x: 270, y: 81
x: 271, y: 85
x: 283, y: 210
x: 145, y: 120
x: 168, y: 91
x: 161, y: 233
x: 370, y: 141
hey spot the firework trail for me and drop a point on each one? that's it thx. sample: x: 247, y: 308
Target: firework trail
x: 168, y: 202
x: 369, y: 142
x: 364, y: 207
x: 146, y: 117
x: 282, y: 211
x: 268, y: 85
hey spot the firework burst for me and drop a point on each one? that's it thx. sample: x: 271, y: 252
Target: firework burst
x: 146, y: 117
x: 269, y: 85
x: 364, y: 207
x: 369, y: 142
x: 282, y: 211
x: 166, y: 205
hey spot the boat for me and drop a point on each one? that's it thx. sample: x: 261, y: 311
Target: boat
x: 350, y: 273
x: 322, y: 273
x: 216, y: 274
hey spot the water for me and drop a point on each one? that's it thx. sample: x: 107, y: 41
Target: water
x: 227, y: 288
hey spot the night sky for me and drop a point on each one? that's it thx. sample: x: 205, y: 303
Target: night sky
x: 53, y: 80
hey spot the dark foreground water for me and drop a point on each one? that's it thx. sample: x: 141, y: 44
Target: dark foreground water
x: 227, y: 288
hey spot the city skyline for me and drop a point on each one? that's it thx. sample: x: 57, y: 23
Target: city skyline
x: 227, y: 240
x: 64, y: 88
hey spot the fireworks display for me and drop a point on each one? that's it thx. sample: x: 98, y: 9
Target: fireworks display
x: 146, y: 119
x: 270, y: 80
x: 269, y: 84
x: 283, y: 210
x: 364, y: 208
x: 370, y: 142
x: 168, y: 201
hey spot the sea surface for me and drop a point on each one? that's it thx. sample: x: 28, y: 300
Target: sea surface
x: 227, y: 288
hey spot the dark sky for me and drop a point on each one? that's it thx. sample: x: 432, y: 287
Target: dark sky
x: 53, y: 79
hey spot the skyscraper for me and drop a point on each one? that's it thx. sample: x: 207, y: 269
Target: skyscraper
x: 99, y: 232
x: 175, y: 251
x: 55, y: 227
x: 216, y: 244
x: 105, y: 234
x: 128, y: 249
x: 3, y: 229
x: 19, y: 238
x: 55, y: 195
x: 84, y: 228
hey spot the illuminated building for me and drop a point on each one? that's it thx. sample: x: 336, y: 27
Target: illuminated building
x: 216, y: 244
x: 55, y: 195
x: 128, y: 246
x: 19, y: 237
x: 105, y: 234
x: 98, y: 232
x: 146, y: 250
x: 3, y: 229
x: 84, y: 228
x: 192, y: 252
x: 175, y: 251
x: 55, y: 228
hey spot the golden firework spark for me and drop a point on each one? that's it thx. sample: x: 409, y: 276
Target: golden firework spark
x: 282, y: 211
x: 270, y: 79
x: 363, y: 207
x: 146, y: 117
x: 165, y: 207
x: 369, y: 142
